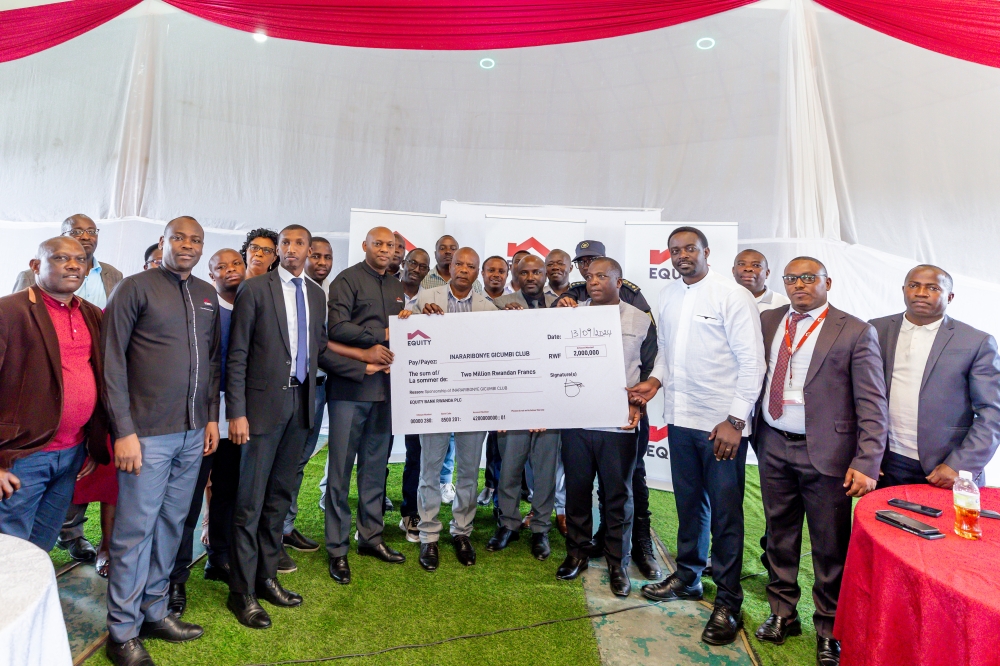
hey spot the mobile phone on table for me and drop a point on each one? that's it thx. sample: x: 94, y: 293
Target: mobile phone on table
x: 916, y: 508
x: 986, y: 513
x: 908, y: 524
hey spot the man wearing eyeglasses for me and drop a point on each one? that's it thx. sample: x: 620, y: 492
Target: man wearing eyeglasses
x: 99, y: 281
x: 820, y: 434
x: 153, y: 257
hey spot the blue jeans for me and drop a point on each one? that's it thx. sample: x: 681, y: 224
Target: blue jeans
x: 448, y: 467
x: 36, y: 511
x: 709, y: 497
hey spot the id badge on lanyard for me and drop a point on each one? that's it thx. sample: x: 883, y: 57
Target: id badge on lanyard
x: 797, y: 396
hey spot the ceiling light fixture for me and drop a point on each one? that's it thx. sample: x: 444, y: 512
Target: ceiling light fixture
x: 705, y: 43
x: 487, y: 63
x: 260, y: 37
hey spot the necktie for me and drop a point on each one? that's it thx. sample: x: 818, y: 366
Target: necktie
x: 302, y: 352
x: 776, y: 406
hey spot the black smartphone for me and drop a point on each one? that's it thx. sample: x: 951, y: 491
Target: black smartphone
x: 916, y: 508
x: 908, y: 524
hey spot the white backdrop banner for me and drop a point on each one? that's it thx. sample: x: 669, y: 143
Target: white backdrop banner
x: 647, y: 263
x: 418, y: 230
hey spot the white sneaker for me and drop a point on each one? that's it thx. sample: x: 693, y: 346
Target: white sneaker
x: 410, y: 527
x: 447, y: 493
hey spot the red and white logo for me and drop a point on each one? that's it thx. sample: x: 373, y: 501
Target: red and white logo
x: 417, y: 338
x: 657, y: 433
x: 406, y: 243
x: 656, y: 269
x: 528, y: 245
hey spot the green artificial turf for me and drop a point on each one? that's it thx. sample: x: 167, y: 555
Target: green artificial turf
x: 387, y: 605
x: 797, y: 651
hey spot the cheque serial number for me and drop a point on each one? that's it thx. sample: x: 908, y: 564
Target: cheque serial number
x: 450, y: 419
x: 489, y: 417
x: 426, y: 420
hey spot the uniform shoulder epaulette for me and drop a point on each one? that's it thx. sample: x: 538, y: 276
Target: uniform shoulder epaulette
x: 631, y: 285
x: 581, y: 283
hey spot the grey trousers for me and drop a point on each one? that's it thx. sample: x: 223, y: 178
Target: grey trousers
x: 148, y: 524
x: 542, y: 449
x: 361, y: 430
x: 468, y: 453
x: 72, y: 527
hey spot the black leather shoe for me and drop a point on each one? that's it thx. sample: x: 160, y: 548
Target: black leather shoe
x: 178, y: 600
x: 708, y: 571
x: 595, y: 548
x: 571, y: 568
x: 248, y: 611
x: 171, y: 629
x: 299, y: 542
x: 672, y: 589
x: 129, y: 653
x: 501, y: 539
x: 620, y: 583
x: 464, y: 551
x: 722, y: 627
x: 776, y: 629
x: 270, y: 590
x: 387, y: 505
x: 429, y: 556
x: 285, y: 562
x: 645, y: 559
x: 340, y: 571
x: 79, y: 549
x: 827, y: 652
x: 219, y: 572
x: 540, y: 546
x: 382, y: 552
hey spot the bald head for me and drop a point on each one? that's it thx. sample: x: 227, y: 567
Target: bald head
x: 558, y: 265
x: 70, y: 221
x: 83, y: 229
x: 531, y: 275
x: 750, y: 270
x: 464, y: 270
x: 379, y: 247
x: 59, y: 267
x: 927, y: 292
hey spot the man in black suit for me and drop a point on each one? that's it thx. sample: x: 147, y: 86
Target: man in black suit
x: 927, y: 356
x: 362, y: 298
x: 277, y: 340
x: 821, y: 429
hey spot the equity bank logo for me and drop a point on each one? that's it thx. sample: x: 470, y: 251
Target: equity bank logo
x: 656, y: 269
x: 417, y: 338
x: 528, y: 245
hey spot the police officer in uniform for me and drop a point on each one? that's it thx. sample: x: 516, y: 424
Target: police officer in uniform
x: 642, y: 542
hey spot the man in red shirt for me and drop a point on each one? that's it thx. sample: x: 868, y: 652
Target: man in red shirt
x: 50, y: 386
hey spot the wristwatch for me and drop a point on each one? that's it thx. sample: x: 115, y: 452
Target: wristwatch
x: 736, y: 423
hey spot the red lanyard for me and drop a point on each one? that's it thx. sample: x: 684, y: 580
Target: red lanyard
x: 802, y: 341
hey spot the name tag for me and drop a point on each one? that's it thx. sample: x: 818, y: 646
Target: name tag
x: 793, y: 397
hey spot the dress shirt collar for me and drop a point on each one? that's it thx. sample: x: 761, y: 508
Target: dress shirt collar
x: 74, y: 302
x: 811, y: 314
x: 371, y: 271
x: 285, y: 275
x: 909, y: 325
x: 451, y: 294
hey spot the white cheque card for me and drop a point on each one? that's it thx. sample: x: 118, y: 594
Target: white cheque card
x: 508, y: 370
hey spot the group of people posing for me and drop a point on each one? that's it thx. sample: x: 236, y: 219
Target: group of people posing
x: 142, y: 391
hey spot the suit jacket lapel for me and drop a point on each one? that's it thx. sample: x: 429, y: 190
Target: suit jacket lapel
x: 940, y: 340
x: 770, y: 331
x: 832, y: 327
x: 278, y: 295
x: 889, y: 353
x: 49, y: 336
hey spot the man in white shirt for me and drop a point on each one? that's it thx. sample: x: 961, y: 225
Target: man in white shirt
x: 750, y: 270
x: 711, y: 370
x: 926, y: 355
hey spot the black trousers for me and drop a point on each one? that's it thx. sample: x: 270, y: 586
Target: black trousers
x: 225, y: 484
x: 640, y: 491
x: 185, y: 552
x: 268, y: 473
x: 411, y: 476
x: 899, y: 470
x: 794, y: 488
x: 610, y: 456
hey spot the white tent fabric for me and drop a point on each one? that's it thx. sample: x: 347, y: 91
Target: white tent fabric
x: 813, y: 132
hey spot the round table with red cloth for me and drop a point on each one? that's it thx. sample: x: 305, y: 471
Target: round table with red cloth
x: 906, y: 600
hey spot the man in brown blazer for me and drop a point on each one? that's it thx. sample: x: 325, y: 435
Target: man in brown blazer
x: 820, y: 436
x: 51, y: 379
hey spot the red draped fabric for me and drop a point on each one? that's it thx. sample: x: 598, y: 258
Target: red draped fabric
x: 966, y: 29
x: 33, y: 29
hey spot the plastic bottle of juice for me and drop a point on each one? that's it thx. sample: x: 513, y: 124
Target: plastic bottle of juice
x: 966, y: 507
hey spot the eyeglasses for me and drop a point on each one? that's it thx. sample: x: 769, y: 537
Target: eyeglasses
x: 254, y: 249
x: 807, y: 278
x: 413, y: 266
x: 154, y: 262
x: 79, y: 233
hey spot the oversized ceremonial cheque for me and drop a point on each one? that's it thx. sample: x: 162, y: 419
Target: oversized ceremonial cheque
x: 508, y: 370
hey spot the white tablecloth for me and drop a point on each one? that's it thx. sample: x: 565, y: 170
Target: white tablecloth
x: 32, y: 630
